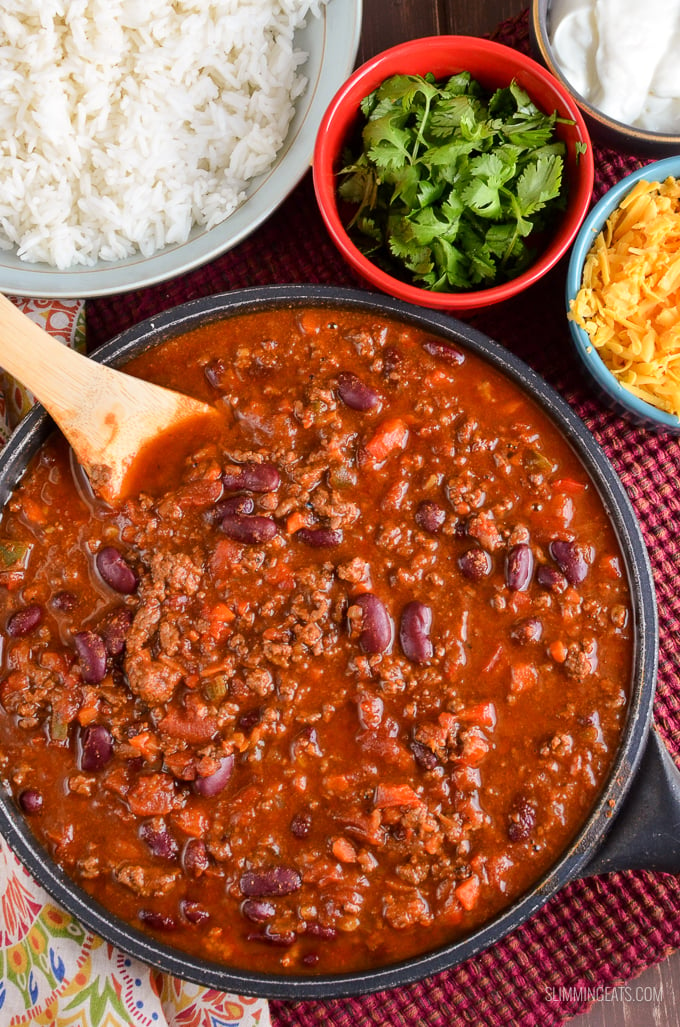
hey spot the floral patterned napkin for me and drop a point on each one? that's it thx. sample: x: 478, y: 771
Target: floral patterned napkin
x: 53, y: 971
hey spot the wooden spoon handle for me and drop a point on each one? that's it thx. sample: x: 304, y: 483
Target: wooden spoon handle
x: 106, y: 415
x: 58, y: 376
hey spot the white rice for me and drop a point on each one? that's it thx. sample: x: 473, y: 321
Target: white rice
x: 124, y: 123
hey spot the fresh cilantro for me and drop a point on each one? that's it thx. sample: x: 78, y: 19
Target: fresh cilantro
x: 449, y: 182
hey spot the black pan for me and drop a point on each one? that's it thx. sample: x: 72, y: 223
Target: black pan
x: 636, y: 821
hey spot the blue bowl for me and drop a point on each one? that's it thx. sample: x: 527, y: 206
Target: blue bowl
x: 618, y: 396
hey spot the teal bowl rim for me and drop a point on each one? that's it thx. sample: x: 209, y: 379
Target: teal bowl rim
x: 641, y: 412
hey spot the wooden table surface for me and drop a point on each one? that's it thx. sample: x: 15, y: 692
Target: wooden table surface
x: 654, y: 997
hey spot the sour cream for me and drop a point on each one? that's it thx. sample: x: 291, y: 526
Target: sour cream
x: 622, y: 56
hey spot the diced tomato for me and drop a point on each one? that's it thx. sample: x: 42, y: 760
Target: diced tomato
x: 152, y: 795
x: 225, y: 558
x: 483, y: 714
x: 474, y: 748
x: 467, y: 892
x: 192, y: 821
x: 522, y: 676
x: 199, y: 493
x: 390, y: 795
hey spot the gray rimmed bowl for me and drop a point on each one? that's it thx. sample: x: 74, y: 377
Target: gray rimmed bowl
x: 603, y: 128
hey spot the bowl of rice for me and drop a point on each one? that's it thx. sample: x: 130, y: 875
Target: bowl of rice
x: 134, y: 148
x: 623, y: 296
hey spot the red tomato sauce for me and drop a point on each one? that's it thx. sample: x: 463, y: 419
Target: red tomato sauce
x: 350, y: 684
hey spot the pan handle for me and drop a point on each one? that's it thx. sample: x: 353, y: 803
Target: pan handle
x: 646, y: 832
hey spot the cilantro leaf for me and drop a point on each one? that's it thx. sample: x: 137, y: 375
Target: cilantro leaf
x: 450, y: 182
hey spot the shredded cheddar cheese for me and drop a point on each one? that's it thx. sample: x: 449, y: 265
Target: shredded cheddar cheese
x: 629, y: 300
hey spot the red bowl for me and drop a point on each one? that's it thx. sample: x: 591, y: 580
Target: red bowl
x: 493, y: 66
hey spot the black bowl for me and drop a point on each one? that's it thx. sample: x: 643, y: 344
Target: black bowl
x: 636, y: 839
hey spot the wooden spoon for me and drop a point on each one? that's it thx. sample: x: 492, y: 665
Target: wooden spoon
x: 107, y: 416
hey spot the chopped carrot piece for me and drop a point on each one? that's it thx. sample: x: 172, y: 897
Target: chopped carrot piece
x: 296, y: 521
x: 467, y: 892
x: 147, y: 744
x: 390, y: 435
x: 86, y: 714
x: 221, y: 612
x: 343, y: 850
x: 558, y: 651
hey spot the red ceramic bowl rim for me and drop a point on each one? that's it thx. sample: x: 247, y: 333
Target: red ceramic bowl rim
x: 443, y: 56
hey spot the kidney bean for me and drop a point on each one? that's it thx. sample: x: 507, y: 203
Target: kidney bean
x: 195, y: 858
x: 423, y: 756
x: 356, y: 394
x: 96, y: 747
x: 251, y: 477
x: 571, y: 558
x: 430, y: 516
x: 91, y: 656
x: 258, y: 910
x: 277, y: 880
x: 529, y: 629
x: 301, y: 825
x: 193, y: 911
x: 159, y: 921
x: 64, y: 601
x: 235, y: 505
x: 30, y: 800
x: 475, y: 564
x: 443, y: 349
x: 114, y: 631
x: 214, y: 783
x: 319, y: 538
x: 323, y: 931
x: 115, y: 571
x: 519, y: 567
x: 521, y: 820
x: 414, y: 632
x: 392, y: 360
x: 250, y: 719
x: 214, y: 372
x: 25, y: 620
x: 159, y: 840
x: 376, y: 628
x: 249, y: 530
x: 551, y: 579
x: 282, y: 938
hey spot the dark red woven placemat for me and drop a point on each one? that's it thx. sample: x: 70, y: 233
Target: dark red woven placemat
x: 597, y: 932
